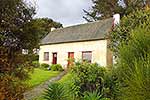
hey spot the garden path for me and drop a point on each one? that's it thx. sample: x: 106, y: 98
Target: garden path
x: 38, y: 90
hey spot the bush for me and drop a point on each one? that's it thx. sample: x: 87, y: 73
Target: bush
x: 111, y: 85
x: 56, y: 67
x: 68, y: 81
x: 11, y: 88
x: 73, y: 89
x: 134, y: 66
x: 122, y: 34
x: 89, y: 77
x: 91, y: 96
x: 137, y: 81
x: 45, y: 66
x: 33, y: 57
x: 36, y: 64
x: 56, y: 91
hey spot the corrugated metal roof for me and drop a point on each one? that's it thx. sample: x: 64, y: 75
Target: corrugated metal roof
x: 83, y: 32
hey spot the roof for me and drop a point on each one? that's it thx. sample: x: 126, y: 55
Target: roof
x: 83, y: 32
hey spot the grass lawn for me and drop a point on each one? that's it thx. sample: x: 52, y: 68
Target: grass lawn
x: 66, y: 78
x: 39, y: 76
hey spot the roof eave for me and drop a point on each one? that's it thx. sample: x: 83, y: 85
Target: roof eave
x: 41, y: 44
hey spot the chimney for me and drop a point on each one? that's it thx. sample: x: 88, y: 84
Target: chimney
x: 116, y: 20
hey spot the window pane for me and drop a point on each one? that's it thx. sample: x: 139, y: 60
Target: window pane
x: 46, y: 56
x: 87, y: 56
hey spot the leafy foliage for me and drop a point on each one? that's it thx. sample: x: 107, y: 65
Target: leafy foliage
x: 36, y: 64
x: 43, y: 26
x: 15, y: 34
x: 111, y: 85
x: 133, y: 65
x: 69, y: 82
x: 123, y: 32
x: 91, y: 96
x: 56, y: 67
x: 137, y: 81
x: 11, y: 88
x: 80, y: 77
x: 44, y: 65
x: 89, y: 77
x: 56, y: 91
x: 106, y: 8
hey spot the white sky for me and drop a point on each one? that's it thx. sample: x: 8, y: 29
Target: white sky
x: 67, y: 12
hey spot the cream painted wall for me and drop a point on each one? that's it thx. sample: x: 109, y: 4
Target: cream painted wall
x: 98, y: 48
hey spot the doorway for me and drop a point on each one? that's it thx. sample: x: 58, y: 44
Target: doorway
x: 70, y: 58
x: 54, y: 58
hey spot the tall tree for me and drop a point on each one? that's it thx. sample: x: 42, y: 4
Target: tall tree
x: 44, y: 26
x: 16, y: 33
x: 122, y: 33
x: 102, y: 9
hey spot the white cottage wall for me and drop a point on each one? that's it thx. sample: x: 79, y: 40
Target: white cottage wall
x: 98, y: 48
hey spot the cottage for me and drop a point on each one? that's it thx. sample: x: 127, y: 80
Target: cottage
x: 80, y: 42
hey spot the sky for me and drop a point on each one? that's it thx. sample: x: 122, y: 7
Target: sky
x: 67, y: 12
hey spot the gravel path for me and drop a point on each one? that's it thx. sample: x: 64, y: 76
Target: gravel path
x: 37, y: 91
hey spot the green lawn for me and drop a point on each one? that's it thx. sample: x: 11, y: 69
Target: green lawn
x: 39, y: 76
x: 66, y: 78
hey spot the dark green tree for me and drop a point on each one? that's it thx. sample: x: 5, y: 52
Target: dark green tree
x: 15, y: 29
x: 18, y: 30
x: 131, y: 43
x: 102, y: 9
x: 122, y: 33
x: 44, y: 26
x: 16, y: 33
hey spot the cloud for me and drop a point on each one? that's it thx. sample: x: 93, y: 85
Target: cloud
x: 67, y: 12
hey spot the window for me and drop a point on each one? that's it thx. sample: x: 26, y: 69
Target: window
x: 87, y: 56
x: 46, y: 56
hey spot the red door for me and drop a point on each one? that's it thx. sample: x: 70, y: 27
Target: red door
x: 54, y: 58
x: 70, y: 58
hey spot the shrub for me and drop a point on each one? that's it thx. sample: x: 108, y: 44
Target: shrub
x: 111, y: 84
x: 91, y: 96
x: 137, y: 81
x: 134, y: 66
x: 89, y: 77
x: 55, y: 91
x: 122, y: 34
x: 45, y: 66
x: 36, y: 64
x: 35, y: 57
x: 11, y: 88
x: 56, y: 67
x: 73, y: 89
